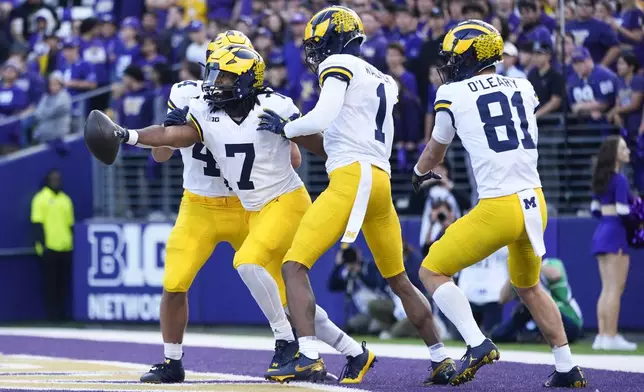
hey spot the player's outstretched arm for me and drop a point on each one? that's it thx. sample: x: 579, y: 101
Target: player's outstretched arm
x: 432, y: 155
x: 325, y: 111
x: 160, y: 136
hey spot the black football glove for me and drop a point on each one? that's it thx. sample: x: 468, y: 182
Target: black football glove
x: 417, y: 180
x: 121, y: 133
x: 273, y: 122
x: 176, y: 117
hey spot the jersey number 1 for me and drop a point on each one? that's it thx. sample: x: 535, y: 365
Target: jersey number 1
x: 490, y: 122
x: 382, y: 112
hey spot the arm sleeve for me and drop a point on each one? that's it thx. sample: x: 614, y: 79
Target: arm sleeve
x: 37, y: 213
x: 444, y: 130
x: 325, y: 111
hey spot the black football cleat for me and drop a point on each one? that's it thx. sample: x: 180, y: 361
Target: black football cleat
x: 169, y: 372
x: 475, y: 357
x: 573, y: 379
x: 441, y: 372
x: 300, y: 368
x: 284, y: 352
x: 358, y: 366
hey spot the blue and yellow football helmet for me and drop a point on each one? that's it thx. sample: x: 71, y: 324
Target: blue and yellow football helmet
x: 233, y: 73
x: 469, y: 48
x: 228, y: 37
x: 329, y: 31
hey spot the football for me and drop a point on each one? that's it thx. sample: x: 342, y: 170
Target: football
x: 100, y: 138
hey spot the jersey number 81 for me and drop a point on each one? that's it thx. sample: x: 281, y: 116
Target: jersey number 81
x: 505, y: 119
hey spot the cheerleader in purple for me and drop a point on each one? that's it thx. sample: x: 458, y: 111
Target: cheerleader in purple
x: 611, y: 198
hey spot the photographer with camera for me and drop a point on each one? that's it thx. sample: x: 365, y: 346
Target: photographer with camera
x: 440, y: 216
x: 361, y: 282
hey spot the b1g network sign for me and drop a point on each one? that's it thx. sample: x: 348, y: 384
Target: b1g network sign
x: 118, y: 271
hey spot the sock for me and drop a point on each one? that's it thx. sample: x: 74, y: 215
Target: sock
x: 563, y: 358
x: 438, y: 353
x: 264, y: 290
x: 173, y: 350
x: 452, y: 302
x: 330, y: 334
x: 309, y: 347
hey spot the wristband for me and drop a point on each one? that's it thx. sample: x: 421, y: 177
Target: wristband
x: 418, y: 173
x: 133, y: 137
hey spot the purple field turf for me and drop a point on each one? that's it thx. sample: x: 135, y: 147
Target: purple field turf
x: 389, y: 374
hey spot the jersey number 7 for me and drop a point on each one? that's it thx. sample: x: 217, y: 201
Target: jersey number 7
x: 505, y: 119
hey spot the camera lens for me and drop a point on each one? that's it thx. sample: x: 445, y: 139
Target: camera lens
x: 441, y: 217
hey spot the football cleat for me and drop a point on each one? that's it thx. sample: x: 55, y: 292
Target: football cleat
x: 441, y: 372
x: 284, y: 352
x: 300, y: 368
x: 169, y: 372
x: 358, y: 366
x: 475, y: 357
x: 573, y: 379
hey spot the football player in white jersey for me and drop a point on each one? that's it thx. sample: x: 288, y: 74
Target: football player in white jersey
x: 210, y: 213
x: 258, y: 168
x: 355, y: 112
x: 494, y: 118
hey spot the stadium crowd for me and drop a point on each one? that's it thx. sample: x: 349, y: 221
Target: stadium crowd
x: 129, y: 51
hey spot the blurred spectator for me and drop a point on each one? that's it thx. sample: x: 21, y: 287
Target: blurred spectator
x: 568, y: 48
x: 175, y: 34
x: 374, y: 48
x: 13, y: 101
x: 548, y: 83
x: 79, y: 77
x: 52, y: 218
x: 275, y: 24
x: 277, y: 78
x: 535, y: 25
x: 435, y: 82
x: 627, y: 113
x: 629, y: 25
x: 190, y: 71
x: 149, y: 24
x: 429, y: 55
x: 604, y: 11
x: 93, y: 50
x: 424, y: 9
x: 47, y: 62
x: 520, y: 325
x: 482, y: 283
x: 473, y: 10
x: 361, y: 283
x: 150, y: 55
x: 162, y: 79
x: 108, y: 33
x: 194, y: 10
x: 293, y: 52
x: 53, y: 116
x: 28, y: 80
x: 135, y: 109
x: 263, y: 43
x: 24, y: 20
x: 509, y: 65
x: 592, y: 87
x: 126, y: 49
x: 506, y: 10
x: 441, y: 215
x: 597, y: 36
x: 196, y: 51
x: 455, y: 12
x: 5, y: 36
x: 407, y: 36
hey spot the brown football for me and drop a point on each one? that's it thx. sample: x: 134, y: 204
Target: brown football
x: 100, y: 138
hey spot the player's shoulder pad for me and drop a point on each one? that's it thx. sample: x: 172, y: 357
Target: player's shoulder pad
x: 340, y: 66
x: 280, y: 104
x: 182, y: 92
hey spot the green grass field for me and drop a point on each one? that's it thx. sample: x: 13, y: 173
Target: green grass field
x: 580, y: 347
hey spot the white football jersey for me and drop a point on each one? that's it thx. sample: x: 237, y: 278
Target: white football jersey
x: 256, y: 164
x: 364, y: 129
x: 482, y: 282
x: 201, y: 175
x: 494, y: 118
